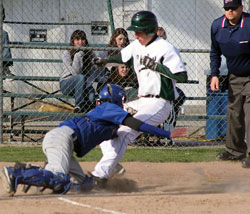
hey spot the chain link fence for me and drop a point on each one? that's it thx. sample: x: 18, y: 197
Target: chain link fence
x: 34, y: 99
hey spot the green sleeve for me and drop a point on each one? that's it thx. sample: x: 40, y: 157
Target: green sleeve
x: 180, y: 77
x: 117, y: 58
x: 130, y: 64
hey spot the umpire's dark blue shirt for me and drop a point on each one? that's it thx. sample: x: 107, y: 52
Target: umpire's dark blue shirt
x: 233, y: 43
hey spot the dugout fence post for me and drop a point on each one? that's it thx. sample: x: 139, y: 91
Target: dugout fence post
x: 111, y: 19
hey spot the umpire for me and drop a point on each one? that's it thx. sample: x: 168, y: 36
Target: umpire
x: 230, y: 35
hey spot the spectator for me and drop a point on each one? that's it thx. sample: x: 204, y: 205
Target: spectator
x: 77, y: 68
x: 122, y: 75
x: 230, y: 37
x: 162, y: 33
x: 118, y: 39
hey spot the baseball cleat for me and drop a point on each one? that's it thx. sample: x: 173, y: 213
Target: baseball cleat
x: 118, y: 170
x: 86, y: 186
x: 245, y: 163
x: 7, y: 181
x: 228, y: 156
x: 99, y: 183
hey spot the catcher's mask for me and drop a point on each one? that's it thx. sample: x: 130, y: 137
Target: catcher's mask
x: 144, y: 20
x: 112, y: 93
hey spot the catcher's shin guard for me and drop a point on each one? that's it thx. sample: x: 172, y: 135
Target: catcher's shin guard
x: 39, y: 177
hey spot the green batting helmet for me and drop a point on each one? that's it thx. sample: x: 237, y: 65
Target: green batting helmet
x: 144, y: 20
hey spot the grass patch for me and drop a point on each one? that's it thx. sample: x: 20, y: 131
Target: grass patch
x: 21, y: 154
x: 197, y: 154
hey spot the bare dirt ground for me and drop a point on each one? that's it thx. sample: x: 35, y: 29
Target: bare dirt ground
x: 149, y: 188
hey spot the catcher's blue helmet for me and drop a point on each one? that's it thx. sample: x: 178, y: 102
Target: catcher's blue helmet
x: 112, y: 93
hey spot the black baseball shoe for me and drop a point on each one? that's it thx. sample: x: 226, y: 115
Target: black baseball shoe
x: 118, y: 170
x: 245, y: 163
x: 99, y: 183
x: 84, y: 187
x: 228, y: 156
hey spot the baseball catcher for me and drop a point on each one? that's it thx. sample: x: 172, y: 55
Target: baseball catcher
x: 80, y: 134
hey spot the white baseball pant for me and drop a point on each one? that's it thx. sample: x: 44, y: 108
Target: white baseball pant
x: 153, y: 111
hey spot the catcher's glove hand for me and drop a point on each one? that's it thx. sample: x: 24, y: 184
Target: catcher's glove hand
x: 99, y: 62
x: 148, y: 63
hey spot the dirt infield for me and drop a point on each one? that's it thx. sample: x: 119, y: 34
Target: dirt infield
x: 149, y: 188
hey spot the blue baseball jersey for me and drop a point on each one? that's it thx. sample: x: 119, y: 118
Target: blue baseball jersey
x: 96, y: 126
